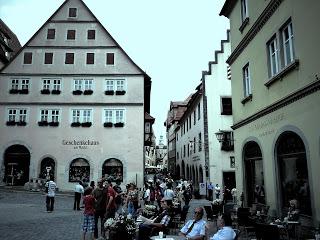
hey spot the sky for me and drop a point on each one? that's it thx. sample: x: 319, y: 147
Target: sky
x: 171, y: 40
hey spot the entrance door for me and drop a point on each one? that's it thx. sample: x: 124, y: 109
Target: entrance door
x: 229, y: 180
x: 47, y: 168
x: 17, y: 164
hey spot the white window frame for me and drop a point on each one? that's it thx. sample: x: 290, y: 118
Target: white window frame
x: 87, y: 84
x: 274, y: 60
x: 17, y: 114
x: 108, y: 115
x: 20, y: 83
x: 109, y: 85
x: 119, y: 116
x: 82, y: 84
x: 56, y: 84
x: 287, y: 43
x: 120, y: 85
x: 49, y: 115
x: 116, y: 84
x: 244, y: 10
x: 81, y: 115
x: 12, y: 114
x: 44, y: 115
x: 114, y: 115
x: 46, y: 83
x: 15, y: 84
x: 246, y: 80
x: 51, y: 83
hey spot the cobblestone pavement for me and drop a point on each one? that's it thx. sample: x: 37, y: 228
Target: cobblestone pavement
x: 23, y: 216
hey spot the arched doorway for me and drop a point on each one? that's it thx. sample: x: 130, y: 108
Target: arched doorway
x: 17, y: 164
x: 47, y: 168
x: 79, y: 170
x: 183, y: 170
x: 113, y: 168
x: 293, y: 171
x: 254, y: 175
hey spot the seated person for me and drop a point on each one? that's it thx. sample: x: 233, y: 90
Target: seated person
x: 293, y: 213
x: 225, y: 232
x: 196, y: 228
x: 159, y: 223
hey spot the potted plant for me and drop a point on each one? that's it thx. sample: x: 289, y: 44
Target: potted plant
x: 109, y: 92
x: 121, y: 227
x: 55, y: 91
x: 54, y: 124
x: 42, y: 123
x: 14, y: 91
x: 87, y: 92
x: 120, y: 92
x: 75, y: 124
x: 45, y: 91
x: 108, y: 124
x: 11, y: 123
x: 86, y: 124
x: 24, y: 91
x: 77, y: 92
x: 119, y: 124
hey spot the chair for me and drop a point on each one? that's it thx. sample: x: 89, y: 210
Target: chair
x: 267, y: 232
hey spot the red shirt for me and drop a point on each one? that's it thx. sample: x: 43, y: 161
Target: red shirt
x: 88, y: 202
x: 111, y: 193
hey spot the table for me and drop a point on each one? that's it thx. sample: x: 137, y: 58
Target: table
x: 169, y: 237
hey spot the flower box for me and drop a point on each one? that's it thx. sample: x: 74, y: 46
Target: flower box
x: 119, y: 124
x: 14, y: 91
x: 120, y: 92
x: 10, y: 123
x: 87, y: 92
x: 43, y: 123
x: 24, y: 91
x: 120, y: 227
x: 45, y: 91
x: 77, y: 92
x: 56, y: 92
x: 86, y: 124
x: 109, y: 92
x: 21, y: 123
x: 54, y: 124
x: 75, y: 124
x: 108, y: 124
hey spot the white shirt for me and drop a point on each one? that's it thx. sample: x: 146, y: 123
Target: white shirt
x: 225, y: 233
x: 51, y: 188
x: 147, y: 195
x: 199, y: 228
x: 79, y: 189
x: 168, y: 194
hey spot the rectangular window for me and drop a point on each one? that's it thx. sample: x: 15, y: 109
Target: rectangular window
x: 108, y: 116
x: 46, y: 84
x: 72, y: 12
x: 194, y: 145
x: 184, y: 150
x: 17, y: 115
x: 120, y: 85
x: 71, y: 34
x: 48, y: 57
x: 244, y: 10
x: 88, y: 84
x: 20, y: 83
x: 110, y: 58
x: 78, y: 84
x: 15, y: 84
x: 56, y: 84
x: 226, y: 105
x: 24, y: 84
x: 114, y: 115
x: 81, y: 115
x: 232, y: 162
x: 27, y: 58
x: 12, y: 113
x: 188, y: 150
x: 91, y: 34
x: 109, y: 85
x: 55, y: 115
x: 90, y: 58
x: 190, y: 121
x: 44, y: 114
x: 119, y: 116
x: 51, y: 83
x: 200, y: 143
x: 23, y: 115
x: 198, y: 111
x: 194, y: 117
x: 69, y: 58
x: 287, y: 41
x: 51, y: 33
x: 246, y: 81
x: 273, y: 52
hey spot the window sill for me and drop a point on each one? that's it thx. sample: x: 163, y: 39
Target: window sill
x: 282, y: 73
x: 246, y: 99
x: 244, y: 24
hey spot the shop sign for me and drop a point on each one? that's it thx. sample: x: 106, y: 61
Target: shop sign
x: 80, y: 144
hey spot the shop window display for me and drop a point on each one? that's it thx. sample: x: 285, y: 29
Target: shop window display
x: 113, y: 168
x: 79, y: 170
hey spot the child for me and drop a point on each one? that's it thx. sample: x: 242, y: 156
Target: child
x: 88, y: 214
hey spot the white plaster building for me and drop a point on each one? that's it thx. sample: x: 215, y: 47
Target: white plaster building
x: 74, y: 102
x: 217, y: 84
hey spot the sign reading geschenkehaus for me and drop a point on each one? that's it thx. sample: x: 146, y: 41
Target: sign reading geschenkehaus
x: 81, y: 144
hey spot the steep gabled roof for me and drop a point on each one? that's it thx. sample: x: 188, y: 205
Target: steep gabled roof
x: 89, y: 11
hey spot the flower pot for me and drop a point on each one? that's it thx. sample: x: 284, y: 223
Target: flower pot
x: 21, y: 123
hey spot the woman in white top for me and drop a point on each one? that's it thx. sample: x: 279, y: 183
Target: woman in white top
x: 168, y: 194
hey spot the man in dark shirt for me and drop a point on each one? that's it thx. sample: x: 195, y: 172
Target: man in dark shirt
x: 100, y: 194
x: 111, y: 204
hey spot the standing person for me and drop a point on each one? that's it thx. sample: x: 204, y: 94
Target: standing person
x: 217, y: 191
x: 111, y: 205
x: 225, y: 231
x: 196, y: 228
x: 88, y: 214
x: 158, y: 194
x: 168, y: 194
x: 78, y: 191
x: 210, y: 191
x: 146, y: 195
x: 187, y: 196
x: 100, y: 194
x: 52, y: 186
x: 132, y: 199
x: 118, y: 198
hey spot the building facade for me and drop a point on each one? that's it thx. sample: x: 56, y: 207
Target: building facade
x: 218, y: 108
x: 275, y: 96
x: 73, y: 105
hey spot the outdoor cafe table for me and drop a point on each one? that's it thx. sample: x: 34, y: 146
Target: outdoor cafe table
x: 168, y: 237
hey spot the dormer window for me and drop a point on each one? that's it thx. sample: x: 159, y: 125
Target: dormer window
x: 72, y: 12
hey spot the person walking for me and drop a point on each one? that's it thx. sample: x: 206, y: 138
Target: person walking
x: 217, y: 191
x: 51, y: 186
x: 100, y: 194
x: 210, y: 191
x: 88, y: 225
x: 78, y: 191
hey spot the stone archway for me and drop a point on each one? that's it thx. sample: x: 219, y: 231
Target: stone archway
x: 293, y: 171
x: 254, y: 175
x: 47, y: 168
x: 113, y: 168
x: 79, y: 170
x: 17, y: 165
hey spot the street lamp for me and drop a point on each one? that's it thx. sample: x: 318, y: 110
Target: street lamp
x: 226, y: 139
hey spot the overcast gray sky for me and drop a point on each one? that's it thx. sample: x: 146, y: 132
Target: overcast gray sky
x: 172, y: 40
